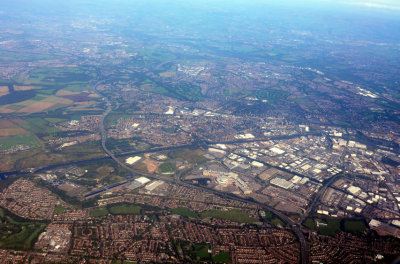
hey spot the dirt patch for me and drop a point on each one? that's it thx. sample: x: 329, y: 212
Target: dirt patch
x: 151, y: 165
x: 5, y: 110
x: 7, y: 132
x: 65, y: 92
x: 4, y: 90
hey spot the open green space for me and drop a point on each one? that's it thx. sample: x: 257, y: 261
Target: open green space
x: 59, y: 209
x: 60, y: 75
x: 272, y: 96
x: 189, y: 155
x: 16, y: 234
x: 55, y: 120
x: 167, y: 167
x: 125, y: 209
x: 332, y: 228
x: 310, y: 224
x: 106, y: 172
x: 354, y: 226
x: 187, y: 92
x: 14, y: 141
x: 201, y: 252
x: 234, y: 215
x: 38, y: 126
x: 222, y: 257
x: 268, y: 214
x: 102, y: 211
x: 278, y: 222
x: 183, y: 211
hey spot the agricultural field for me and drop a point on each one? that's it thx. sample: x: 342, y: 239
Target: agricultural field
x: 15, y: 141
x: 9, y: 128
x: 47, y: 89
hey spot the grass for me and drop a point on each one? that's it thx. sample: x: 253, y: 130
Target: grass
x: 184, y: 212
x: 11, y: 142
x: 186, y: 92
x: 55, y: 120
x: 272, y: 96
x: 102, y: 211
x: 222, y: 257
x: 166, y: 167
x: 190, y: 155
x: 310, y: 224
x: 278, y: 222
x: 332, y: 229
x: 268, y: 214
x: 354, y: 226
x: 234, y: 215
x: 201, y: 252
x: 125, y: 209
x: 18, y: 235
x: 37, y: 125
x: 59, y: 209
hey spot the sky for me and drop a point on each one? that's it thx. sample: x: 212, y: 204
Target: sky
x: 381, y: 4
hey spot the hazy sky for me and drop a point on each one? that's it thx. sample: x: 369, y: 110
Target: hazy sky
x: 385, y: 4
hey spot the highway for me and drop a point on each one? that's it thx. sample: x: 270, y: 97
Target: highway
x: 283, y: 217
x: 295, y: 227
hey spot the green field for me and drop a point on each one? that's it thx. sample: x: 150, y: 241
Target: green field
x: 272, y: 96
x: 167, y: 167
x: 184, y: 212
x: 183, y: 92
x: 102, y: 211
x: 59, y: 209
x: 38, y: 126
x: 354, y: 226
x: 222, y: 257
x: 234, y: 215
x: 278, y: 222
x: 332, y: 229
x: 10, y: 142
x: 125, y: 209
x: 18, y: 235
x: 189, y: 155
x: 201, y: 252
x: 55, y: 120
x: 310, y: 224
x: 268, y: 215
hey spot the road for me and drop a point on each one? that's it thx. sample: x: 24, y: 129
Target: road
x: 294, y: 226
x: 284, y: 218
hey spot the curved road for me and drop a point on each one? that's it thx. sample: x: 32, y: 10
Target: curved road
x: 284, y: 218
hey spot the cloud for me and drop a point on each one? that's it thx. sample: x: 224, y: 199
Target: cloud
x: 378, y: 4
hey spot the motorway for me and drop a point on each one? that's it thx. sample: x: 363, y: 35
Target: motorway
x: 284, y: 218
x: 295, y: 227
